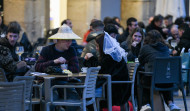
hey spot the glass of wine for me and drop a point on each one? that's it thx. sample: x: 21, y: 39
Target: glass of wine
x: 19, y: 50
x: 173, y: 43
x: 38, y: 50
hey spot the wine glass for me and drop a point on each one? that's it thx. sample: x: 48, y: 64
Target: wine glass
x: 19, y: 50
x: 173, y: 43
x: 38, y: 50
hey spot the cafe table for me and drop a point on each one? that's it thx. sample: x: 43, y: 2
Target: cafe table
x: 48, y: 78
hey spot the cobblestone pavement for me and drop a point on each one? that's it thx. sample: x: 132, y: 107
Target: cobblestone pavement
x: 178, y: 100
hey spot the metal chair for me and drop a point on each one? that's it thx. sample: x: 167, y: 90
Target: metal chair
x: 12, y: 96
x: 28, y: 89
x: 88, y: 96
x: 166, y: 70
x: 3, y: 78
x: 132, y: 68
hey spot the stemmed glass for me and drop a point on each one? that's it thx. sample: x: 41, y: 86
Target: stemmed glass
x: 38, y: 50
x: 19, y: 50
x: 173, y: 43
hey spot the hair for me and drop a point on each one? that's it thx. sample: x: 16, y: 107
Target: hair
x: 110, y: 28
x: 130, y: 38
x: 100, y: 41
x: 97, y: 24
x: 130, y: 20
x: 153, y: 37
x: 14, y: 27
x: 183, y: 26
x: 157, y: 18
x: 64, y: 21
x: 168, y: 17
x: 141, y: 25
x: 179, y: 21
x: 108, y: 20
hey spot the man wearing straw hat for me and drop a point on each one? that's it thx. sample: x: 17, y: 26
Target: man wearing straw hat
x: 61, y: 53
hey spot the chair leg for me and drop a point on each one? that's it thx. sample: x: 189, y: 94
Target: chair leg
x: 94, y: 105
x: 152, y: 99
x: 184, y: 99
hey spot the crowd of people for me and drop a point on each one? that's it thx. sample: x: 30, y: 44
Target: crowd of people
x: 106, y: 44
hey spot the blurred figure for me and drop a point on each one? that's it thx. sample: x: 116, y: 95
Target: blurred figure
x: 112, y: 62
x: 150, y: 19
x: 187, y: 20
x: 133, y: 44
x: 97, y: 28
x: 108, y: 20
x: 8, y: 58
x: 120, y: 28
x: 132, y: 23
x: 3, y: 28
x: 184, y: 34
x: 174, y: 34
x: 156, y: 24
x: 179, y: 21
x: 84, y: 42
x: 142, y: 26
x: 168, y: 21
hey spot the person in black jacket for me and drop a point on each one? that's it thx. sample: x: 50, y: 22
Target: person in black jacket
x: 112, y: 62
x: 154, y: 46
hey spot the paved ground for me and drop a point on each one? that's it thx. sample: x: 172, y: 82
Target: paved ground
x: 179, y: 102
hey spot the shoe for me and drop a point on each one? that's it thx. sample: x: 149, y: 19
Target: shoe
x: 146, y: 108
x: 173, y: 107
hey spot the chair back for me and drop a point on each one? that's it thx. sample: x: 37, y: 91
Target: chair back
x: 167, y: 70
x: 90, y: 82
x: 12, y: 96
x: 132, y: 68
x: 28, y: 89
x: 3, y: 78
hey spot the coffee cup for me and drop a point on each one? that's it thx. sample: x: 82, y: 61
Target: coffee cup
x: 84, y: 69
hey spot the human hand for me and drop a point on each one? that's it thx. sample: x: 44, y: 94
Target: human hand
x: 60, y: 60
x: 134, y: 44
x: 21, y: 64
x: 88, y: 55
x: 174, y: 52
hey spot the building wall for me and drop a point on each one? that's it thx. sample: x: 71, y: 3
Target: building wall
x: 31, y: 14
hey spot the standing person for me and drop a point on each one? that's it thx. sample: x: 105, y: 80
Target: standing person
x: 3, y: 28
x: 154, y: 46
x: 112, y: 62
x: 8, y: 58
x: 132, y: 23
x: 61, y: 53
x: 133, y: 44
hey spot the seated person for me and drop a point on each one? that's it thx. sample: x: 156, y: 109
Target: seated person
x: 154, y: 46
x: 59, y: 53
x: 133, y: 44
x: 8, y: 58
x: 112, y: 62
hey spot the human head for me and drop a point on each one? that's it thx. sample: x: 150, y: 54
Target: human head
x: 111, y: 30
x: 182, y: 28
x: 179, y: 21
x: 158, y: 20
x: 63, y: 44
x: 67, y: 22
x: 108, y: 20
x: 141, y: 25
x: 168, y: 20
x: 97, y: 25
x: 132, y: 23
x: 13, y: 31
x: 174, y: 31
x: 137, y: 35
x: 116, y: 19
x: 153, y: 37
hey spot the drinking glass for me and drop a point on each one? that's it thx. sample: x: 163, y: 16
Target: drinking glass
x: 173, y: 43
x: 19, y: 50
x: 38, y: 50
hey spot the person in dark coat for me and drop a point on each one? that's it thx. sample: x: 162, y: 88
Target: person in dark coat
x: 133, y: 44
x: 154, y: 46
x: 184, y: 34
x: 156, y: 24
x: 112, y: 63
